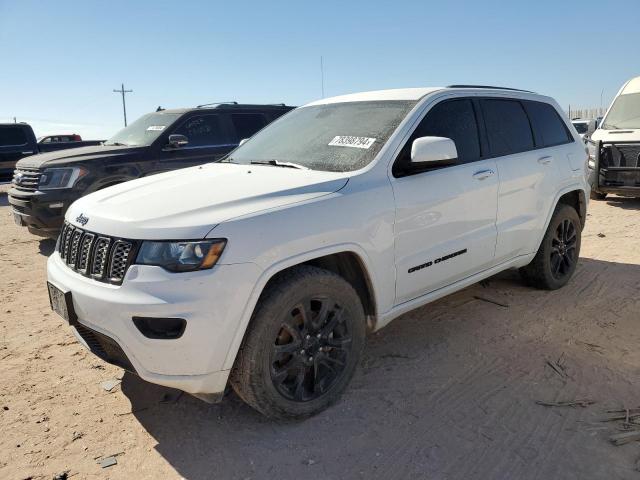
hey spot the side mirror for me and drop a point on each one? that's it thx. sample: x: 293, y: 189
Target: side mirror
x: 177, y: 141
x: 593, y: 125
x: 243, y: 141
x: 433, y: 152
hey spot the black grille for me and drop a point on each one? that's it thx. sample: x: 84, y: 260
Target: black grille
x: 103, y: 258
x: 26, y: 179
x: 621, y: 155
x: 105, y: 347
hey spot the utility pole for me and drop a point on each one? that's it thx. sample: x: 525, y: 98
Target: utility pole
x: 124, y: 105
x: 601, y: 94
x: 322, y: 75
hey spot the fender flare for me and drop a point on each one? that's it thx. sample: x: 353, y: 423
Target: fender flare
x: 107, y: 182
x: 571, y: 188
x: 280, y: 266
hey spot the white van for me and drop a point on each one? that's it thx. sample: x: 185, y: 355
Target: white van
x: 614, y: 149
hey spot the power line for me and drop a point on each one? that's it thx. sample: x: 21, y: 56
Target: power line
x: 124, y: 105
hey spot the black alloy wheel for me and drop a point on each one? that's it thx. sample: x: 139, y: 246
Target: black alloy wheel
x: 557, y: 256
x: 311, y: 350
x: 303, y: 344
x: 563, y: 249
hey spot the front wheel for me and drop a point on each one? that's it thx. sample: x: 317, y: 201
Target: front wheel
x: 557, y: 256
x: 302, y: 346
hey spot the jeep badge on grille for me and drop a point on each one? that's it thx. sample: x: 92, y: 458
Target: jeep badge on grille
x: 82, y: 220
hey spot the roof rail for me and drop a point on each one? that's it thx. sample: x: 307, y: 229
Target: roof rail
x: 216, y: 103
x: 490, y: 87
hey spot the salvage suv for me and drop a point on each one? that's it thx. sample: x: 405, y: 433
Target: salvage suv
x: 267, y: 269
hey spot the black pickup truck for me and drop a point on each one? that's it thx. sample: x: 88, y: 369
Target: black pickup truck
x: 45, y: 185
x: 17, y: 140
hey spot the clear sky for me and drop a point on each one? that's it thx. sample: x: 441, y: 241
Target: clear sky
x: 62, y: 59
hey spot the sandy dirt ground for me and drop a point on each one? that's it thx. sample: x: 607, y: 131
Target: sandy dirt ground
x: 448, y: 391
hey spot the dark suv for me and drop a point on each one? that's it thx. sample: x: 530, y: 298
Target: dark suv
x: 45, y: 185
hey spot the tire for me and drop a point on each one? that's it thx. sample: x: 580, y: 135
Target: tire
x: 594, y: 195
x: 302, y: 346
x: 558, y: 254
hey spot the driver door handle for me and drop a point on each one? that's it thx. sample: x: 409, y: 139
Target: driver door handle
x: 545, y: 160
x: 482, y: 174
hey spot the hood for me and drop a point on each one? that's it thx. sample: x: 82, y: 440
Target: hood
x: 624, y: 135
x: 72, y: 155
x: 188, y: 203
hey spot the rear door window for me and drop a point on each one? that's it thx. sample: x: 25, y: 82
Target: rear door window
x: 246, y: 124
x: 548, y: 128
x: 508, y: 128
x: 203, y: 131
x: 12, y: 136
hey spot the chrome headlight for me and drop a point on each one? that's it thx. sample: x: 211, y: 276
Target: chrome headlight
x: 60, y: 177
x: 591, y: 154
x: 184, y: 256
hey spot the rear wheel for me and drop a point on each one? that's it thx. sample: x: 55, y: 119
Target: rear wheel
x: 594, y: 195
x: 557, y: 256
x: 303, y: 344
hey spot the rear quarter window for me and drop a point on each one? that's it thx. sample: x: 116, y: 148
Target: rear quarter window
x: 508, y: 128
x: 246, y: 124
x: 548, y: 128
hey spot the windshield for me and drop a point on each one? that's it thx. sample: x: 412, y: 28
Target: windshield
x: 581, y: 127
x: 143, y: 131
x: 338, y: 137
x: 624, y: 113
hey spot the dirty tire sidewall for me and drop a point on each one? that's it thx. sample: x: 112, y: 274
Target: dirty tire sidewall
x: 251, y: 376
x: 539, y: 272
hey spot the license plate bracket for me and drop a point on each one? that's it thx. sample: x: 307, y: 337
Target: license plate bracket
x: 62, y: 303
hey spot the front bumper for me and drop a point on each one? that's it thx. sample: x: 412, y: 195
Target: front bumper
x: 42, y: 212
x: 212, y: 302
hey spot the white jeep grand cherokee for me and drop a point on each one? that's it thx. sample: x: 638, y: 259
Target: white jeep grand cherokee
x: 266, y: 269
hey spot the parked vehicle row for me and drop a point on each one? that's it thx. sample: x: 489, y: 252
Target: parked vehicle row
x: 17, y: 141
x: 581, y: 126
x: 614, y: 148
x: 266, y: 269
x: 45, y: 185
x: 66, y: 138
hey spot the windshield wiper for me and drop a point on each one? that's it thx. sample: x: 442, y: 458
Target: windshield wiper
x: 277, y: 163
x: 116, y: 144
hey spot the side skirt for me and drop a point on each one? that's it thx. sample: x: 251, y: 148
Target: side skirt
x: 386, y: 318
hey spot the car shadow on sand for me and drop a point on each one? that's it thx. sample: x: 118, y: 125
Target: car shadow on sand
x: 446, y: 391
x: 47, y: 246
x: 627, y: 203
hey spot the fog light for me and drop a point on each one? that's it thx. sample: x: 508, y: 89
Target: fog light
x: 56, y: 205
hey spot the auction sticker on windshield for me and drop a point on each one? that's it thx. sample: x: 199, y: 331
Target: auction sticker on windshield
x: 156, y: 128
x: 351, y: 141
